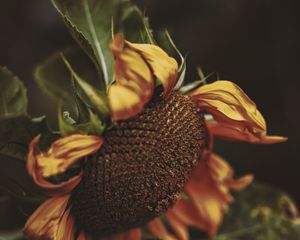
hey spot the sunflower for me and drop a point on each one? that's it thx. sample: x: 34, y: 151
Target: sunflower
x: 153, y: 167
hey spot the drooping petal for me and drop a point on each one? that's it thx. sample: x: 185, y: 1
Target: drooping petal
x: 61, y: 155
x: 164, y: 67
x: 209, y: 192
x: 235, y: 113
x: 158, y: 230
x: 238, y: 134
x: 134, y: 83
x: 35, y: 172
x: 52, y: 220
x: 132, y: 234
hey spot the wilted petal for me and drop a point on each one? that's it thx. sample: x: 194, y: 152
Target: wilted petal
x: 164, y: 67
x: 239, y: 134
x: 158, y: 230
x: 234, y: 111
x: 61, y: 155
x: 134, y: 83
x: 209, y: 191
x: 51, y: 221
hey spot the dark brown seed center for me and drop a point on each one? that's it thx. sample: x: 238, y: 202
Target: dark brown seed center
x: 141, y: 168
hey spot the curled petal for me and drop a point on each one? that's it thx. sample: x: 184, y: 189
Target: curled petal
x: 209, y: 191
x: 233, y: 110
x: 35, y: 172
x: 132, y: 234
x: 65, y: 152
x: 164, y: 67
x: 52, y: 220
x: 134, y: 83
x: 158, y: 230
x: 61, y: 155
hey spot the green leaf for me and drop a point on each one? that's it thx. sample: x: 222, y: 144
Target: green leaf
x: 13, y: 99
x: 261, y: 212
x: 96, y: 98
x: 90, y: 23
x: 54, y: 78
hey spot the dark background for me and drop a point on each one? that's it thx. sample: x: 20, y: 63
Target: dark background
x: 254, y: 43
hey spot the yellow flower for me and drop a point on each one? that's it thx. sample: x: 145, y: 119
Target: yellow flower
x: 155, y: 160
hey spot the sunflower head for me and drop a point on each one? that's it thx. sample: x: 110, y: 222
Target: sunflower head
x: 141, y: 168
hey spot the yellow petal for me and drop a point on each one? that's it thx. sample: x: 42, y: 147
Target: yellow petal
x: 52, y: 220
x: 124, y: 102
x: 209, y: 191
x: 164, y: 67
x: 63, y: 153
x: 234, y: 111
x: 35, y: 171
x: 134, y: 83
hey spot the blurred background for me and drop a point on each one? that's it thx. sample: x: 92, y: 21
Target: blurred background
x: 254, y: 43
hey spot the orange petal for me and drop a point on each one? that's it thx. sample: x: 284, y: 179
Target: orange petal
x: 209, y: 191
x: 52, y: 220
x: 188, y: 214
x: 133, y: 234
x: 178, y: 226
x: 235, y: 134
x: 158, y: 230
x: 66, y: 226
x: 134, y: 84
x: 36, y: 173
x: 233, y: 110
x: 61, y: 155
x: 165, y: 68
x: 241, y: 183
